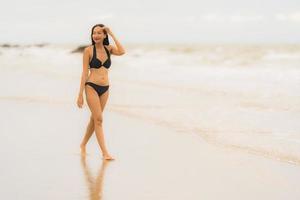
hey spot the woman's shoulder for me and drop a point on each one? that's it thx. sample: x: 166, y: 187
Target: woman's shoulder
x: 88, y: 49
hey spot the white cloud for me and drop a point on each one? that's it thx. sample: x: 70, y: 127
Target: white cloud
x: 294, y: 17
x: 189, y: 19
x: 245, y: 18
x: 102, y: 17
x: 213, y: 17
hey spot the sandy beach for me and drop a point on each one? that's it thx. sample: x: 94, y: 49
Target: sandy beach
x: 172, y: 140
x: 41, y: 160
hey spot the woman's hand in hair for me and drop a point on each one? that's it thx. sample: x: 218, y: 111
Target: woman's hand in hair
x: 108, y: 31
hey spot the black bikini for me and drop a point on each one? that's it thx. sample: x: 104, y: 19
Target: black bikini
x: 96, y: 63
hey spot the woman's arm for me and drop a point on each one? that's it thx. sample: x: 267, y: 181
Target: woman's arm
x: 118, y: 49
x: 84, y: 74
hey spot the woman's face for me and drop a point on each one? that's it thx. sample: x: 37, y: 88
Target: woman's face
x: 98, y: 34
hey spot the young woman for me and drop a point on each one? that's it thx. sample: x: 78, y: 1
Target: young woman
x: 96, y: 59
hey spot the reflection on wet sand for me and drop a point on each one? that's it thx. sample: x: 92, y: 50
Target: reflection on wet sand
x: 95, y: 186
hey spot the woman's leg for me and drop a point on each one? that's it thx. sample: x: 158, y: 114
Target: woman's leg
x: 103, y: 99
x: 94, y: 104
x: 91, y: 128
x: 89, y: 132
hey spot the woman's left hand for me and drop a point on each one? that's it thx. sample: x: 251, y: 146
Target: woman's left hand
x: 108, y: 31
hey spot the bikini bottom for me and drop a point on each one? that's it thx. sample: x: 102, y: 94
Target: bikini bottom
x: 100, y: 89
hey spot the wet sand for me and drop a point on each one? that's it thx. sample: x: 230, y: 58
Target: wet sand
x: 41, y: 160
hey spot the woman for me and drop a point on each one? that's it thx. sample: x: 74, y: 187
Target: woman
x: 96, y: 57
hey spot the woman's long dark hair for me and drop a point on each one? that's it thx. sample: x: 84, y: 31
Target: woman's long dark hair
x: 105, y: 41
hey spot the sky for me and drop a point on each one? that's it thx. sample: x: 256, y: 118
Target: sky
x: 155, y: 21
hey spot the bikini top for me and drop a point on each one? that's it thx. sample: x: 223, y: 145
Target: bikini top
x: 96, y: 63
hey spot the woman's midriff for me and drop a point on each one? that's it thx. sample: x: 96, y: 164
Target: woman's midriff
x: 98, y: 76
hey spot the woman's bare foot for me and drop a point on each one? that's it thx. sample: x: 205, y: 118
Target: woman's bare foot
x: 107, y: 157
